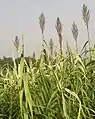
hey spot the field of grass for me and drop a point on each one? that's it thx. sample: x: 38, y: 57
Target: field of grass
x: 60, y: 86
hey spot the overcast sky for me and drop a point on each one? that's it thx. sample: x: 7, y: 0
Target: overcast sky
x: 17, y: 16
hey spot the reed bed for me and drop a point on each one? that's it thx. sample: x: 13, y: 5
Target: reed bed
x: 52, y: 87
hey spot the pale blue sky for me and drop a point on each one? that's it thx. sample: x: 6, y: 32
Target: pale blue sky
x: 17, y: 16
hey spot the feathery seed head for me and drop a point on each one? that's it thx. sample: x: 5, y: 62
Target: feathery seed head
x: 16, y: 42
x: 74, y: 31
x: 42, y: 21
x: 51, y: 44
x: 58, y: 26
x: 59, y: 31
x: 86, y: 14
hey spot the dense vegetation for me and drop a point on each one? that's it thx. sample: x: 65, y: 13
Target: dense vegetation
x: 55, y: 86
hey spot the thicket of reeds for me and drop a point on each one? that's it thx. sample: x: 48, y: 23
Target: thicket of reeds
x: 56, y: 86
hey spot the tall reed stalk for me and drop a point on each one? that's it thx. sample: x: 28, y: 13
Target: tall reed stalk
x: 23, y: 44
x: 16, y: 44
x: 75, y: 34
x: 86, y: 18
x: 59, y: 31
x: 51, y: 46
x: 42, y: 25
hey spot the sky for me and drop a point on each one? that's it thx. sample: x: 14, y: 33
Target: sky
x: 17, y: 16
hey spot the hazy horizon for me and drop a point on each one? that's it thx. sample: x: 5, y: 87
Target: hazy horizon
x: 22, y: 16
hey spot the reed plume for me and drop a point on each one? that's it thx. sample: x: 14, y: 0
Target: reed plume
x: 16, y: 44
x: 51, y: 46
x: 59, y: 31
x: 42, y: 25
x: 75, y: 34
x: 86, y: 18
